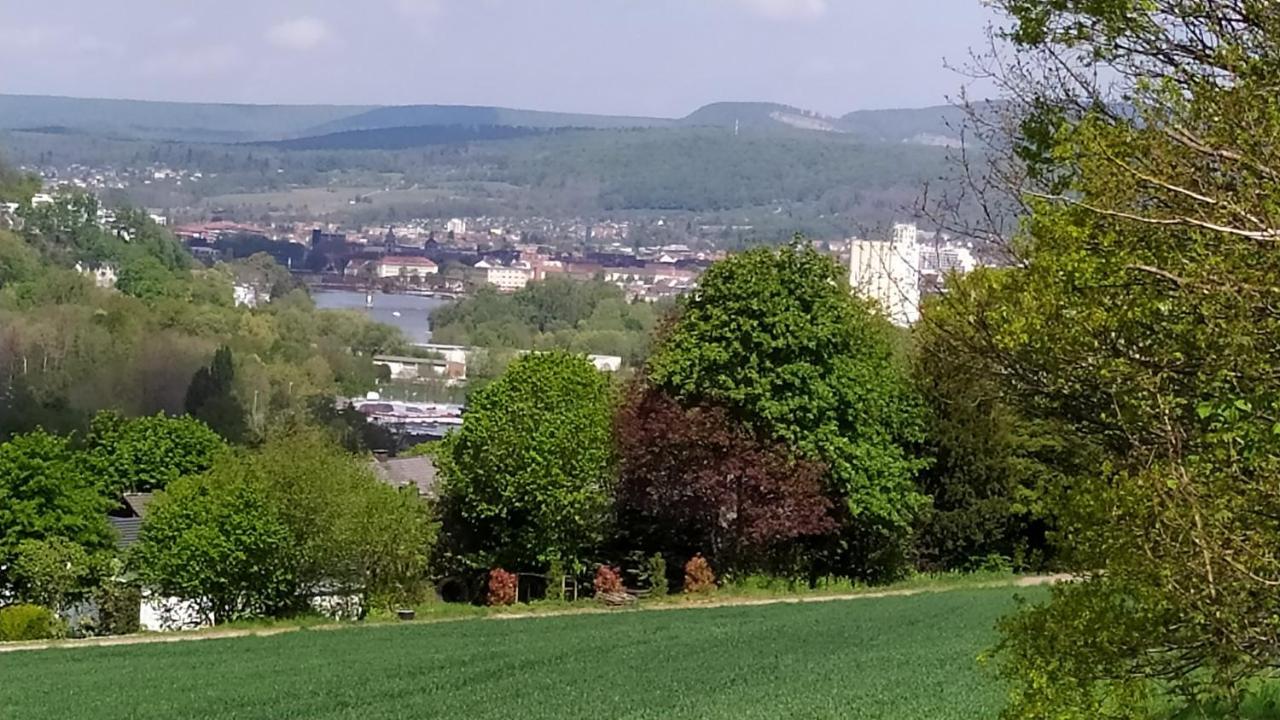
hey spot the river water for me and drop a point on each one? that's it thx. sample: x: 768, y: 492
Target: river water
x: 410, y: 313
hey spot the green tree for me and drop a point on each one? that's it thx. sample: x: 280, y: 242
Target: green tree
x: 18, y: 261
x: 218, y: 540
x: 351, y: 533
x: 1142, y: 316
x: 778, y: 340
x: 17, y: 186
x: 527, y: 478
x: 145, y: 277
x: 265, y: 532
x: 996, y: 474
x: 54, y: 573
x: 47, y: 494
x: 146, y: 454
x: 211, y: 397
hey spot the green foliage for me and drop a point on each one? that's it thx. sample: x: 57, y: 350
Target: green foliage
x: 1141, y: 318
x: 69, y: 350
x: 262, y: 533
x: 657, y: 568
x: 28, y: 622
x: 555, y: 580
x: 212, y: 399
x: 18, y: 261
x: 996, y: 473
x: 148, y: 453
x: 777, y: 338
x: 16, y: 186
x: 54, y: 572
x: 526, y: 479
x: 146, y: 278
x: 217, y: 540
x: 119, y: 605
x: 588, y: 317
x: 49, y: 495
x: 348, y: 531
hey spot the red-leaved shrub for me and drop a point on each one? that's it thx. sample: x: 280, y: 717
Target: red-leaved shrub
x: 608, y: 581
x: 698, y: 576
x: 502, y: 587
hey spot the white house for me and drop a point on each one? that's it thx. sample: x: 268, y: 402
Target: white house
x: 451, y: 353
x: 414, y: 368
x: 398, y: 266
x: 250, y: 296
x: 103, y: 276
x: 509, y: 278
x: 606, y: 363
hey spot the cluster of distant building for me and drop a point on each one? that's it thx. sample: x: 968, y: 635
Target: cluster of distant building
x: 455, y: 262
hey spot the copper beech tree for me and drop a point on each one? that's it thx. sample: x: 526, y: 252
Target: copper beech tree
x: 693, y: 480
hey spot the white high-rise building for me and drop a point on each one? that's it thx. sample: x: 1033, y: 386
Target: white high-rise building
x: 889, y: 273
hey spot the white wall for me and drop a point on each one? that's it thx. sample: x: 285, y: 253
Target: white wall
x: 161, y: 614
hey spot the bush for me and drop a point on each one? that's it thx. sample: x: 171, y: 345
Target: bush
x: 28, y: 622
x: 503, y: 587
x: 658, y: 575
x: 608, y: 581
x: 555, y: 581
x: 698, y: 576
x: 118, y: 608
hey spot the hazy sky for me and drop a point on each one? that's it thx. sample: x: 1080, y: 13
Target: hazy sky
x: 643, y: 57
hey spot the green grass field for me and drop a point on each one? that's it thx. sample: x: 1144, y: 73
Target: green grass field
x: 892, y: 658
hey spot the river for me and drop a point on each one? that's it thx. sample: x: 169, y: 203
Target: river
x: 410, y: 313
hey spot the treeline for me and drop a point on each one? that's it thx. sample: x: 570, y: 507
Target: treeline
x: 586, y: 317
x: 232, y: 533
x: 825, y: 182
x: 400, y: 138
x: 69, y: 348
x: 1132, y: 354
x: 776, y: 428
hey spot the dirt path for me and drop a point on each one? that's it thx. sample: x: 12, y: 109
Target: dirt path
x: 1022, y: 582
x: 195, y: 635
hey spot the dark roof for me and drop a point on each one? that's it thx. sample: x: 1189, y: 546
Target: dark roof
x: 127, y: 530
x: 404, y: 472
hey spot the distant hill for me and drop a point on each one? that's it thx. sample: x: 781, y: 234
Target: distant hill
x: 425, y: 115
x: 759, y: 115
x: 225, y: 123
x: 938, y: 125
x: 203, y: 122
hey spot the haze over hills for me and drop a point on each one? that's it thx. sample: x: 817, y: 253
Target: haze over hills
x: 216, y: 122
x: 772, y: 168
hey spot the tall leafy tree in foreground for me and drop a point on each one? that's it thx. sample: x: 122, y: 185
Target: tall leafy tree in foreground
x: 1144, y: 316
x: 50, y: 497
x: 997, y: 473
x: 779, y: 341
x: 527, y: 480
